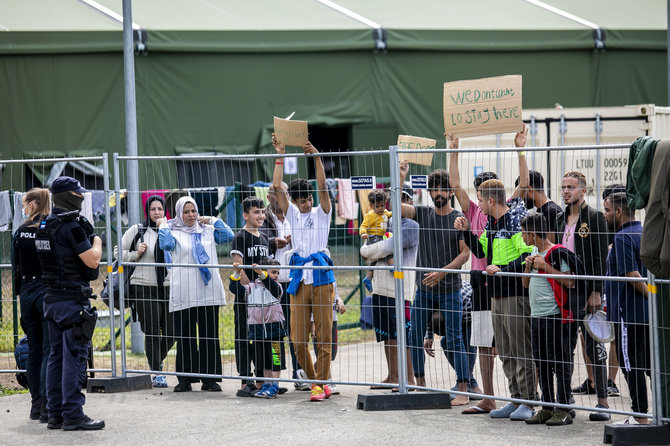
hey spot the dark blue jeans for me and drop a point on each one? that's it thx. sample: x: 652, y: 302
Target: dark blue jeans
x: 420, y: 313
x: 470, y: 351
x: 35, y: 327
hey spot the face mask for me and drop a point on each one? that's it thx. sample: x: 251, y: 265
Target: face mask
x: 68, y: 201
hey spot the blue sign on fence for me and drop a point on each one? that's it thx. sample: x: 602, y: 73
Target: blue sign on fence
x: 419, y: 181
x: 363, y: 183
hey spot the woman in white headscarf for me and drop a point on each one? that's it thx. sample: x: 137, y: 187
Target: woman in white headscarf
x: 195, y: 292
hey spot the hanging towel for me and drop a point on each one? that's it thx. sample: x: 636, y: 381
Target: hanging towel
x: 5, y: 210
x: 98, y: 203
x: 363, y: 201
x: 346, y: 200
x: 148, y: 193
x: 87, y: 206
x: 221, y: 192
x: 18, y: 211
x: 262, y: 193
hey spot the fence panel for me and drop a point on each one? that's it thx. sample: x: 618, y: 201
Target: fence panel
x: 18, y: 177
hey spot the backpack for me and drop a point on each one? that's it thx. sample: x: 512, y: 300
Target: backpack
x: 21, y: 357
x: 114, y: 278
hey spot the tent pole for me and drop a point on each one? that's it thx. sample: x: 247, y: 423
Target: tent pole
x: 133, y: 195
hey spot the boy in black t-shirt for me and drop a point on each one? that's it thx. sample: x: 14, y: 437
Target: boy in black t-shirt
x: 249, y: 247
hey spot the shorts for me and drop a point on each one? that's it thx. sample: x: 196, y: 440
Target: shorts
x: 384, y: 318
x: 268, y: 352
x: 480, y: 299
x: 482, y: 329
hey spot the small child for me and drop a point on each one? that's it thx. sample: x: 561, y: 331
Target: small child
x: 265, y: 319
x: 374, y: 226
x: 550, y: 318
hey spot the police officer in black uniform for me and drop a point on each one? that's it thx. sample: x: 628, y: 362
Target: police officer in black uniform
x: 31, y: 290
x: 69, y: 254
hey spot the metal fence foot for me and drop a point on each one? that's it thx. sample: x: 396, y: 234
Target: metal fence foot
x: 408, y: 401
x: 113, y: 384
x: 622, y: 434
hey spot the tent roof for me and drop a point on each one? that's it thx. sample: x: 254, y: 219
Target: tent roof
x: 29, y: 26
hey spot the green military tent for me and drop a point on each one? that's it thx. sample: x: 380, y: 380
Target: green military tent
x: 210, y: 74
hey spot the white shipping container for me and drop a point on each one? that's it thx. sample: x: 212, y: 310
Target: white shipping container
x: 568, y: 127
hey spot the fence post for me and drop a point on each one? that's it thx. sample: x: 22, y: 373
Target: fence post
x: 110, y: 255
x: 401, y: 341
x: 119, y: 235
x: 655, y: 351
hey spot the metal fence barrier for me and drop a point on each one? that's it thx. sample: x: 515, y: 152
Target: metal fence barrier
x: 357, y: 358
x: 20, y: 176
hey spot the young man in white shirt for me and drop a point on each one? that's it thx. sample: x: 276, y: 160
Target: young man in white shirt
x: 311, y: 290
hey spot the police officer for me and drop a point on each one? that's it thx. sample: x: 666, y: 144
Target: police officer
x: 31, y: 290
x: 69, y: 254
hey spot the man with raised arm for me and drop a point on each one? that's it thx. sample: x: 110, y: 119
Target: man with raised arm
x: 502, y: 245
x: 440, y: 246
x: 482, y: 323
x: 311, y: 290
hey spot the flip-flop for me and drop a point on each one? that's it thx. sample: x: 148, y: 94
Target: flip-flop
x: 379, y: 387
x: 474, y: 410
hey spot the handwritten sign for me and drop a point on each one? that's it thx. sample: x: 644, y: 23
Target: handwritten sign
x: 291, y: 133
x: 483, y: 106
x: 406, y: 142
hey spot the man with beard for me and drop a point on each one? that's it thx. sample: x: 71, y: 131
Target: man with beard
x: 440, y: 246
x: 628, y: 301
x: 535, y: 197
x: 584, y: 232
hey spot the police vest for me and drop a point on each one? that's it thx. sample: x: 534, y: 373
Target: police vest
x: 59, y: 266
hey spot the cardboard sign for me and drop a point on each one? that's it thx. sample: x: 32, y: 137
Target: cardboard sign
x: 291, y: 133
x: 483, y: 106
x: 368, y: 182
x: 406, y: 142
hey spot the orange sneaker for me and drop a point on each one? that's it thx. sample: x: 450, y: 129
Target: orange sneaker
x: 327, y: 391
x: 317, y: 393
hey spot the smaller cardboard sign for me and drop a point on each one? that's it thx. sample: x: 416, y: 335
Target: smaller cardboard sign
x: 483, y: 106
x: 406, y: 142
x: 291, y: 133
x: 358, y: 183
x: 418, y: 181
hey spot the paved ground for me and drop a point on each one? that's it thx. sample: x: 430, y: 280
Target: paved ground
x: 165, y: 418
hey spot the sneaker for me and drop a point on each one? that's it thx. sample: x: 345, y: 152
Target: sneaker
x: 630, y: 420
x: 522, y: 413
x: 540, y: 417
x: 612, y: 389
x: 317, y: 393
x: 300, y: 374
x: 599, y: 416
x: 267, y: 391
x: 585, y: 388
x: 327, y: 391
x: 247, y: 391
x: 560, y: 418
x: 281, y: 390
x: 368, y: 284
x: 333, y: 389
x: 159, y: 381
x: 503, y: 412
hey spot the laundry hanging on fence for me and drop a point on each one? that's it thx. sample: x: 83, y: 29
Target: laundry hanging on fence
x: 18, y: 211
x: 5, y: 210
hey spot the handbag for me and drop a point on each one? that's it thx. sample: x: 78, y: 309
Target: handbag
x: 114, y: 279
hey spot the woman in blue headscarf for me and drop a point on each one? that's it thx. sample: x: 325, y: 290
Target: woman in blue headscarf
x: 195, y: 292
x: 140, y: 245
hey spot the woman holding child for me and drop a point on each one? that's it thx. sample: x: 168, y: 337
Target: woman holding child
x: 195, y: 292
